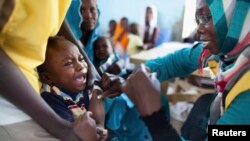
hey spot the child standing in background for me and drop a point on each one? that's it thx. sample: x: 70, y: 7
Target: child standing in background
x: 135, y: 44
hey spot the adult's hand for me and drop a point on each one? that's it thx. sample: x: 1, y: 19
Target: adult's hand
x: 144, y: 91
x: 102, y: 133
x: 85, y: 127
x: 111, y: 85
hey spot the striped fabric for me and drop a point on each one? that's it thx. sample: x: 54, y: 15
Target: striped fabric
x: 233, y: 24
x: 233, y: 33
x: 76, y: 106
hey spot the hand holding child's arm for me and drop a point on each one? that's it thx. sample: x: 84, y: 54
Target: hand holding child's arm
x: 85, y: 127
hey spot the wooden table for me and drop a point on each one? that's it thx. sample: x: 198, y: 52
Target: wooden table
x: 159, y: 51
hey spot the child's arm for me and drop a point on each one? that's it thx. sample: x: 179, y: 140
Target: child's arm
x: 96, y: 106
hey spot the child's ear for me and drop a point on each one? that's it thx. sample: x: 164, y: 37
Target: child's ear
x: 44, y: 78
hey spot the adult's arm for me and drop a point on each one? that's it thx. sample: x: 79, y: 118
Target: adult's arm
x: 179, y: 63
x: 11, y: 76
x: 145, y: 93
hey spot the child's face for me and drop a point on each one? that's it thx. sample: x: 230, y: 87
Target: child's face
x: 112, y: 25
x: 103, y: 49
x: 66, y: 67
x: 134, y: 29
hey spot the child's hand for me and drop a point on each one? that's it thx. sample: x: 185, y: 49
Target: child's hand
x: 111, y: 85
x: 115, y: 68
x: 85, y: 127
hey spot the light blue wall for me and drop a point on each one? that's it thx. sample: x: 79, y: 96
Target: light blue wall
x: 170, y: 12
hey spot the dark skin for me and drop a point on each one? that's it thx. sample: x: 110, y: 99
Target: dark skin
x: 134, y: 30
x: 66, y: 68
x: 146, y: 96
x: 149, y: 42
x: 90, y: 131
x: 115, y: 68
x: 140, y: 85
x: 208, y: 35
x: 206, y: 29
x: 92, y: 76
x: 102, y: 50
x: 125, y: 26
x: 111, y: 85
x: 67, y: 33
x: 112, y: 25
x: 149, y: 15
x: 89, y: 15
x: 50, y: 121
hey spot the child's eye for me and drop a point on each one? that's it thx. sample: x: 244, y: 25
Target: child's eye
x: 81, y: 59
x: 68, y: 63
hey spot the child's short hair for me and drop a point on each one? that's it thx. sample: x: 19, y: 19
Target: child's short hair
x: 97, y: 40
x: 100, y: 38
x: 52, y: 41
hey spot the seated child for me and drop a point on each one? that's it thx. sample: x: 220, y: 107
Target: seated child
x: 135, y: 44
x: 64, y: 77
x: 106, y: 58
